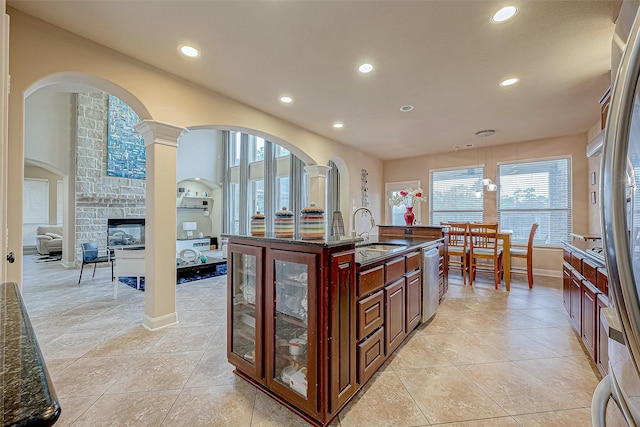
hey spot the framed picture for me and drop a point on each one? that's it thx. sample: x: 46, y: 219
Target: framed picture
x: 593, y: 197
x: 593, y: 178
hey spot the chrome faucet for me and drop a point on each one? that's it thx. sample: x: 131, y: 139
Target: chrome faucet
x: 353, y: 222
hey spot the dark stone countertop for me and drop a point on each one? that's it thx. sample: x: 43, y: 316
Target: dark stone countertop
x: 588, y: 248
x: 27, y: 396
x: 325, y: 242
x: 365, y: 257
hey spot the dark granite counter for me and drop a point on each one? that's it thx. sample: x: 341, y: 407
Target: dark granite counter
x: 590, y: 249
x: 327, y: 242
x: 365, y: 256
x: 27, y: 396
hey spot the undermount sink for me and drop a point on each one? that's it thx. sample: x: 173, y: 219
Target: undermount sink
x: 381, y: 247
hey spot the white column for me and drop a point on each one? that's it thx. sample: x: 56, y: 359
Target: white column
x: 318, y: 184
x: 161, y: 141
x: 4, y: 129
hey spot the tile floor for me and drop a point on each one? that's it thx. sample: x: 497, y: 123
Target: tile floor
x: 488, y: 358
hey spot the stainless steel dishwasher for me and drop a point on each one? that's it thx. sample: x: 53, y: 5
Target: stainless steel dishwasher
x: 430, y: 291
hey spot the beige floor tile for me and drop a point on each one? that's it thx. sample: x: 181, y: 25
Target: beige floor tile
x: 569, y: 418
x: 135, y: 340
x: 228, y: 405
x: 184, y: 339
x: 72, y: 408
x: 212, y: 369
x: 462, y: 349
x: 386, y: 402
x: 154, y: 372
x: 445, y: 395
x: 269, y: 413
x: 75, y: 324
x: 143, y: 410
x: 515, y: 345
x: 488, y: 422
x: 89, y: 376
x: 416, y: 352
x: 572, y: 376
x: 516, y: 390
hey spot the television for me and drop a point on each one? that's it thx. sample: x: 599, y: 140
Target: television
x: 125, y: 232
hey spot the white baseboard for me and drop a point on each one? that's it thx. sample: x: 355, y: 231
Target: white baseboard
x: 155, y: 323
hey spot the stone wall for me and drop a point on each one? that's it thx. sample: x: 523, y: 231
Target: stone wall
x: 98, y: 196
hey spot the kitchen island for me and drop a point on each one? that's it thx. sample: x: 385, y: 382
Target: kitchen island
x: 310, y: 321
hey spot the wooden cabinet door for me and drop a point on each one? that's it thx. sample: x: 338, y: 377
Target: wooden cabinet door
x: 574, y: 303
x: 291, y: 327
x: 588, y: 317
x: 566, y: 287
x: 414, y: 300
x: 342, y: 315
x: 602, y: 339
x: 245, y: 309
x: 395, y: 315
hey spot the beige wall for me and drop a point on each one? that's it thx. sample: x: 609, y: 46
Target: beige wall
x: 546, y: 260
x: 41, y: 54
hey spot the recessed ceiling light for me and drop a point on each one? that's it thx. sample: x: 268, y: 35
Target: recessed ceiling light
x: 509, y: 82
x: 365, y: 68
x: 406, y: 108
x: 286, y: 99
x: 338, y: 125
x: 485, y: 132
x: 504, y: 14
x: 189, y: 51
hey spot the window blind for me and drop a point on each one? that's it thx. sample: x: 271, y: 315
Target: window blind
x: 537, y: 191
x: 454, y: 195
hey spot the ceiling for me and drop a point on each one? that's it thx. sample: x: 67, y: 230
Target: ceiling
x: 445, y: 58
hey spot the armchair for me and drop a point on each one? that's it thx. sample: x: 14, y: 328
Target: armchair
x: 48, y: 239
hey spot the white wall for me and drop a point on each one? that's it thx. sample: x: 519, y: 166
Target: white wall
x: 48, y: 137
x: 200, y: 155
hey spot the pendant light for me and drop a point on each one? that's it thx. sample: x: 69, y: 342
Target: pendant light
x: 486, y: 182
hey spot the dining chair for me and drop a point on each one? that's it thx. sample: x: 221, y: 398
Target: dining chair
x: 484, y: 245
x: 458, y: 249
x: 90, y: 255
x: 527, y: 254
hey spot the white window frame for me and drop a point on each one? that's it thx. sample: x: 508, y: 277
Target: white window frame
x: 523, y: 239
x: 390, y: 188
x: 459, y: 168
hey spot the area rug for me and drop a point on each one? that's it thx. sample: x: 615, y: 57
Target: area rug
x: 221, y: 270
x: 47, y: 258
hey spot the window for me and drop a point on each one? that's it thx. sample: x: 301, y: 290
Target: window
x: 282, y: 192
x: 235, y: 143
x: 281, y: 151
x: 234, y: 208
x: 396, y: 213
x: 256, y: 149
x: 457, y: 195
x: 537, y: 191
x: 35, y: 208
x: 256, y: 196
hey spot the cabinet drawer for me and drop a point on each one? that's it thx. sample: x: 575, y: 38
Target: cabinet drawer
x: 370, y: 314
x: 412, y: 261
x: 589, y: 271
x: 566, y: 254
x: 370, y: 355
x: 370, y: 280
x: 576, y: 262
x: 393, y: 270
x: 602, y: 281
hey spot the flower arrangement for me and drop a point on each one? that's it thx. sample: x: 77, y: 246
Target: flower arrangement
x: 407, y: 197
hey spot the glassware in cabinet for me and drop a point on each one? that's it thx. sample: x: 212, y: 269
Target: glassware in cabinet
x: 245, y: 308
x: 291, y: 283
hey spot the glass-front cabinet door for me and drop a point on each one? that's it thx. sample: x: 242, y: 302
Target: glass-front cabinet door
x: 290, y: 295
x: 244, y: 308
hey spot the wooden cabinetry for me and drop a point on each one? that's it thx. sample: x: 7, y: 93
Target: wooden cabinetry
x: 585, y: 293
x: 309, y: 326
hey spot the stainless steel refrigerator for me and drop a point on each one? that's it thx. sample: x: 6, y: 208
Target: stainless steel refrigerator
x: 620, y: 184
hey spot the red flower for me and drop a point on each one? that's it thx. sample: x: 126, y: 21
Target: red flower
x: 403, y: 193
x: 418, y: 194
